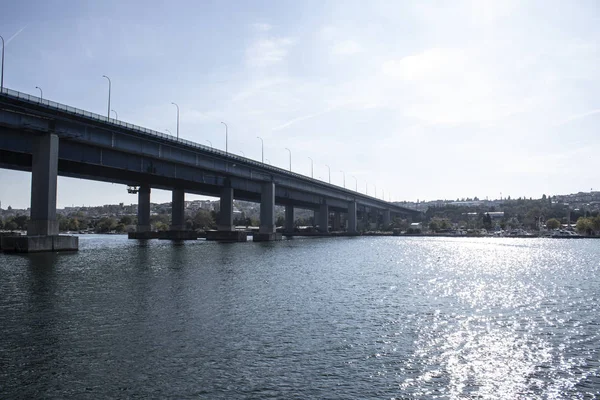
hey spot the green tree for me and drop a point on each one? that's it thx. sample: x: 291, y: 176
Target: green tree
x: 203, y: 219
x: 585, y: 225
x: 11, y: 226
x: 126, y: 220
x: 552, y: 223
x: 434, y: 225
x: 106, y: 225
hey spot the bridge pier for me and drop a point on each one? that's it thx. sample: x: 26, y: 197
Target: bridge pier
x: 289, y: 218
x: 177, y: 230
x: 337, y: 221
x: 225, y: 231
x: 42, y: 229
x: 324, y: 218
x: 352, y: 217
x: 143, y: 230
x: 266, y: 230
x: 387, y: 218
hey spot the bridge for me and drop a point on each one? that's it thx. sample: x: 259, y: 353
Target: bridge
x: 51, y: 139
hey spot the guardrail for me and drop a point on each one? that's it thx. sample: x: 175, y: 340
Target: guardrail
x: 145, y: 131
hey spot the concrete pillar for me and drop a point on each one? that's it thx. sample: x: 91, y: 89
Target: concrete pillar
x: 267, y: 208
x: 324, y: 218
x: 387, y: 218
x: 44, y: 171
x: 289, y: 218
x: 143, y: 224
x: 178, y: 210
x: 352, y: 217
x: 226, y: 210
x: 315, y: 218
x: 337, y: 221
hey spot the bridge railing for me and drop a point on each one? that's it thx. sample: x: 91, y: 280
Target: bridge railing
x: 140, y: 129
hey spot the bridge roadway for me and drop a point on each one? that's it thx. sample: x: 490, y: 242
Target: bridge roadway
x: 51, y: 139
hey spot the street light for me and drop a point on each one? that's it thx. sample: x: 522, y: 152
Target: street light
x: 374, y: 185
x: 169, y: 132
x: 290, y: 158
x: 116, y: 115
x: 41, y: 93
x: 311, y: 167
x: 209, y: 142
x: 355, y: 184
x: 225, y: 136
x: 2, y: 74
x: 177, y: 118
x: 244, y: 154
x: 329, y: 172
x: 262, y: 149
x: 109, y: 85
x: 268, y: 161
x: 344, y: 178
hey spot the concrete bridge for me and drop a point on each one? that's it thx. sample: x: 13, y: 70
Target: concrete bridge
x: 51, y: 139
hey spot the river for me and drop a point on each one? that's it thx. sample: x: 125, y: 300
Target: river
x: 338, y: 318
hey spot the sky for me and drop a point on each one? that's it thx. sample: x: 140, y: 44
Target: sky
x: 422, y: 100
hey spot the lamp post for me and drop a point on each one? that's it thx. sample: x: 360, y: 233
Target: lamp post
x: 209, y: 142
x: 290, y: 158
x: 109, y: 87
x: 243, y: 154
x: 344, y: 178
x: 311, y: 166
x: 268, y: 161
x: 116, y: 115
x: 2, y: 74
x: 375, y: 186
x: 177, y: 118
x: 329, y: 172
x: 41, y: 93
x: 355, y: 184
x: 225, y: 136
x: 169, y: 132
x: 262, y: 149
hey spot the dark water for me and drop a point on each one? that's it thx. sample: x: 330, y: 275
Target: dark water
x: 346, y: 318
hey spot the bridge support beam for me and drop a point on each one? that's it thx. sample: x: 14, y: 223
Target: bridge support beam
x: 352, y: 217
x: 225, y: 232
x: 44, y: 171
x: 267, y: 215
x: 226, y: 210
x: 178, y: 210
x: 324, y: 218
x: 387, y: 218
x: 337, y: 221
x: 289, y: 218
x: 42, y: 229
x: 143, y: 224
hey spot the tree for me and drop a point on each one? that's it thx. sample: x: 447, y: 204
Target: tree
x: 552, y: 224
x: 126, y: 220
x: 106, y: 225
x: 585, y: 225
x: 280, y: 221
x: 487, y: 221
x: 11, y: 226
x: 203, y: 219
x: 434, y: 225
x: 1, y: 223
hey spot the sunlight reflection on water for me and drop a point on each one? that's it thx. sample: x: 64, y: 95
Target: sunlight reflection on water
x: 509, y: 324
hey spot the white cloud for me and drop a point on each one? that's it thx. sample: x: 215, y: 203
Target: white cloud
x: 347, y: 47
x: 267, y: 52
